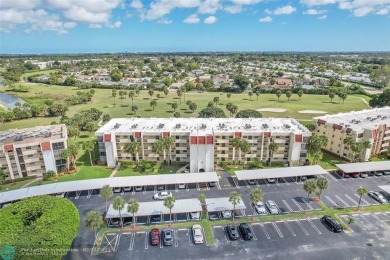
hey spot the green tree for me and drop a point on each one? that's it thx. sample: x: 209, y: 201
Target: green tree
x: 118, y: 204
x: 278, y: 94
x: 131, y: 95
x: 342, y: 96
x: 257, y: 95
x: 179, y: 94
x: 193, y: 107
x: 73, y: 131
x: 365, y: 145
x: 212, y: 112
x: 322, y: 184
x: 133, y: 207
x: 93, y: 221
x: 159, y: 148
x: 288, y: 95
x: 169, y: 203
x: 310, y: 186
x: 241, y: 81
x: 73, y: 150
x: 65, y: 154
x: 256, y: 195
x: 116, y: 75
x: 113, y: 94
x: 166, y: 92
x: 248, y: 113
x: 245, y: 148
x: 137, y: 91
x: 234, y: 199
x: 134, y: 109
x: 89, y: 146
x: 250, y: 95
x: 133, y: 148
x: 332, y: 96
x: 151, y: 93
x: 236, y: 143
x: 168, y: 143
x: 106, y: 193
x: 122, y: 95
x: 176, y: 114
x: 300, y: 94
x: 272, y: 148
x: 349, y: 142
x: 362, y: 191
x: 174, y: 106
x: 229, y: 96
x: 216, y: 100
x: 2, y: 178
x: 153, y: 104
x: 106, y: 118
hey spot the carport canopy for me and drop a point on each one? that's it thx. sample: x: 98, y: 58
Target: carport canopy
x: 221, y: 204
x: 280, y: 172
x: 163, y: 179
x: 364, y: 166
x: 385, y: 188
x: 158, y: 208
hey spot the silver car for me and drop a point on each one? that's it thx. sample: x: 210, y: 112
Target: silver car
x: 271, y: 205
x: 260, y: 208
x: 162, y: 195
x: 378, y: 197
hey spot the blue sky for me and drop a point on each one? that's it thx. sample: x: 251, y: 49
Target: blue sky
x: 66, y: 26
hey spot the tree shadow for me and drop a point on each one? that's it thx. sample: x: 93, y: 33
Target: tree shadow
x: 145, y: 98
x: 169, y: 111
x: 148, y: 110
x: 188, y: 112
x: 124, y: 105
x: 176, y: 98
x: 184, y: 109
x: 84, y: 136
x: 330, y: 102
x: 130, y: 114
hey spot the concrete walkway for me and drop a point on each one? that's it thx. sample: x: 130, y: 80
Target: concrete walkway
x: 28, y: 184
x: 115, y: 170
x: 182, y: 169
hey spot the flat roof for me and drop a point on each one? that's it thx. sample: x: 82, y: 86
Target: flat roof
x: 13, y: 195
x: 385, y: 188
x: 220, y: 204
x: 198, y: 126
x: 176, y: 178
x: 280, y: 172
x: 93, y: 184
x: 364, y: 166
x: 158, y: 208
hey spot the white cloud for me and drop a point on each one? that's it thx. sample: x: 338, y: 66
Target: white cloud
x: 245, y: 2
x: 165, y: 21
x: 233, y: 9
x: 267, y: 11
x: 383, y: 11
x: 319, y: 2
x: 362, y: 11
x: 210, y: 20
x: 95, y: 26
x: 314, y: 12
x: 160, y: 8
x: 136, y: 4
x: 209, y: 7
x: 193, y: 18
x: 266, y: 19
x: 323, y: 17
x: 288, y: 9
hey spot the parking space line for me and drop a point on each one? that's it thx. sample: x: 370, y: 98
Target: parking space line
x: 331, y: 201
x: 226, y: 235
x: 314, y: 226
x: 236, y: 182
x: 218, y: 185
x: 289, y: 228
x: 265, y: 231
x: 296, y: 203
x: 373, y: 222
x: 364, y: 201
x: 131, y: 241
x: 277, y: 229
x: 375, y: 215
x: 77, y: 195
x: 364, y: 218
x: 288, y: 206
x: 189, y: 237
x: 254, y: 235
x: 247, y: 184
x: 304, y: 230
x: 340, y: 199
x: 285, y: 181
x: 307, y: 204
x: 353, y: 201
x: 146, y: 240
x: 176, y: 238
x: 332, y: 177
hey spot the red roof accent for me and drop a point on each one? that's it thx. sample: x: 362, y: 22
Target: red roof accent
x: 373, y: 133
x: 298, y: 138
x: 137, y: 134
x: 349, y: 130
x: 45, y: 146
x: 107, y: 138
x: 237, y: 134
x: 267, y: 134
x: 336, y: 126
x: 166, y: 134
x: 321, y: 122
x: 209, y: 139
x: 193, y: 140
x: 201, y: 140
x: 8, y: 147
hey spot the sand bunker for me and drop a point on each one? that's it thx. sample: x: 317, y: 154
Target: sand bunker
x: 312, y: 112
x: 269, y: 109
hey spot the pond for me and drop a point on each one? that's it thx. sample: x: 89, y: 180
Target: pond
x: 9, y: 100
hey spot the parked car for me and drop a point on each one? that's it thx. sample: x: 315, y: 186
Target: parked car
x: 386, y: 173
x: 363, y: 175
x: 167, y: 237
x: 60, y: 194
x: 378, y: 197
x: 139, y: 188
x: 202, y: 170
x: 354, y: 175
x: 332, y: 224
x: 232, y: 232
x: 127, y: 221
x: 127, y: 189
x: 155, y: 237
x: 251, y: 182
x: 160, y: 187
x: 378, y: 173
x: 371, y: 173
x: 181, y: 186
x: 271, y: 205
x: 246, y: 231
x: 117, y: 190
x: 195, y: 215
x: 271, y: 180
x: 303, y: 178
x: 212, y: 184
x: 226, y: 214
x: 197, y: 234
x: 260, y: 208
x: 214, y: 216
x: 162, y: 195
x: 187, y: 167
x: 155, y: 218
x: 114, y: 222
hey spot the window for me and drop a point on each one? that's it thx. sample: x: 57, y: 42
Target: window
x: 177, y: 137
x: 102, y: 153
x: 360, y: 135
x: 28, y: 147
x: 58, y: 146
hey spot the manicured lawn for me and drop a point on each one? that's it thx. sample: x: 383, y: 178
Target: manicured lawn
x: 329, y: 161
x: 128, y: 170
x: 15, y: 185
x: 103, y: 101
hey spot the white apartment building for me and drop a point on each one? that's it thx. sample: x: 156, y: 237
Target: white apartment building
x: 371, y: 125
x: 202, y: 142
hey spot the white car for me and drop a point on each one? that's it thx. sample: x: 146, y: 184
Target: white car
x: 271, y: 205
x: 117, y: 190
x: 162, y: 195
x: 197, y: 233
x: 226, y: 214
x: 181, y: 186
x: 378, y: 197
x: 195, y: 215
x: 260, y: 208
x: 271, y: 180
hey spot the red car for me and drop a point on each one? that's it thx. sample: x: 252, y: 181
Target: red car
x: 355, y: 175
x: 155, y: 237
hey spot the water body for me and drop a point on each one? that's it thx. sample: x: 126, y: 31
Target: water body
x: 9, y: 100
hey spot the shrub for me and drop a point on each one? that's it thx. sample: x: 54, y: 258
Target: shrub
x: 48, y: 175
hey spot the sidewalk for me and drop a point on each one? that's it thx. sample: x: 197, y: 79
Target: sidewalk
x: 28, y: 184
x: 115, y: 170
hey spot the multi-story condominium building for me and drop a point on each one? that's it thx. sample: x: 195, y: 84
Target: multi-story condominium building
x: 32, y: 151
x: 371, y: 125
x: 204, y: 141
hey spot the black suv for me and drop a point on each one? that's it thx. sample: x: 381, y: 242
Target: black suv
x: 246, y: 231
x: 332, y: 224
x: 232, y: 232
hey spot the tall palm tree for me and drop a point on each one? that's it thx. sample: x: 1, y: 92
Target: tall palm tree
x: 356, y: 148
x: 228, y: 96
x: 168, y: 143
x: 245, y: 148
x: 348, y: 142
x: 106, y: 193
x: 133, y: 207
x: 365, y: 146
x: 169, y: 203
x: 278, y: 94
x: 179, y: 94
x: 131, y: 95
x: 322, y: 184
x: 65, y: 154
x: 159, y: 148
x: 235, y: 199
x: 202, y: 200
x: 288, y: 95
x: 73, y: 150
x: 133, y: 148
x: 250, y: 95
x: 236, y: 143
x: 255, y: 196
x: 310, y: 187
x: 216, y: 100
x: 257, y: 95
x: 93, y: 221
x: 272, y: 148
x: 153, y: 104
x: 300, y: 94
x: 362, y: 191
x: 118, y: 204
x: 89, y: 146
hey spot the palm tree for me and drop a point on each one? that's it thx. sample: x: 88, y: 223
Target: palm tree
x: 137, y: 92
x: 331, y: 96
x: 235, y: 199
x: 151, y: 92
x: 179, y: 94
x: 288, y: 95
x: 361, y: 191
x: 133, y: 207
x: 73, y: 150
x: 342, y: 96
x: 356, y: 148
x: 365, y: 146
x: 216, y: 100
x: 89, y: 146
x: 93, y: 221
x: 113, y: 93
x: 193, y: 107
x: 166, y: 91
x: 202, y: 199
x: 278, y: 94
x: 255, y: 196
x: 106, y: 193
x: 168, y: 143
x: 322, y: 184
x: 250, y: 95
x: 118, y: 204
x: 174, y: 106
x: 153, y: 104
x: 133, y: 148
x: 257, y: 95
x: 176, y: 114
x: 245, y: 147
x: 131, y: 95
x: 228, y: 96
x: 310, y: 187
x: 65, y: 154
x: 300, y: 94
x: 169, y: 202
x: 159, y: 148
x: 349, y: 141
x: 134, y: 109
x: 272, y: 148
x: 236, y: 143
